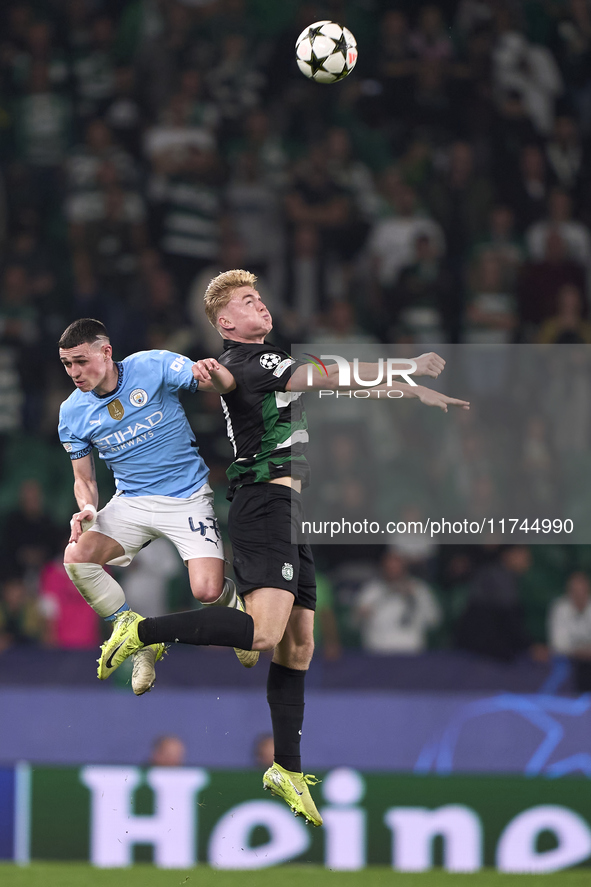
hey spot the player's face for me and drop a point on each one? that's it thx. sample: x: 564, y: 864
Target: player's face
x: 86, y: 365
x: 246, y: 317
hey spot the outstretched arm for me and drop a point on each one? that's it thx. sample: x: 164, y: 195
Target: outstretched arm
x: 306, y: 378
x: 429, y: 364
x: 212, y: 376
x: 309, y: 377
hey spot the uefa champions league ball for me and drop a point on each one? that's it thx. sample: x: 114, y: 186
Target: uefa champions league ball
x: 326, y: 52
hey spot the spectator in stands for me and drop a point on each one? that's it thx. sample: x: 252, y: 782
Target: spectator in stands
x: 201, y: 111
x: 430, y: 40
x: 316, y: 199
x: 304, y: 284
x: 460, y: 201
x: 260, y: 138
x: 396, y: 611
x: 187, y: 201
x: 40, y: 50
x: 391, y: 244
x: 540, y: 281
x: 493, y: 622
x: 568, y: 326
x: 490, y: 315
x: 339, y: 325
x: 263, y: 751
x: 571, y: 43
x: 19, y: 321
x: 432, y: 111
x: 540, y: 468
x: 71, y: 623
x: 168, y: 141
x: 254, y: 213
x: 42, y: 136
x: 26, y: 249
x: 565, y: 156
x: 86, y: 159
x: 417, y: 548
x: 575, y: 235
x: 21, y: 621
x: 326, y: 630
x: 124, y: 113
x: 168, y: 751
x: 526, y: 70
x: 424, y: 297
x: 394, y: 64
x: 163, y: 320
x: 145, y: 583
x: 234, y: 82
x: 569, y: 627
x: 22, y: 356
x: 528, y: 193
x: 30, y: 537
x: 113, y: 241
x: 502, y: 242
x: 94, y: 69
x: 352, y: 175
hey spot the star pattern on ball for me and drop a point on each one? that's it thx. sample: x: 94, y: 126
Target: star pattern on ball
x: 326, y: 52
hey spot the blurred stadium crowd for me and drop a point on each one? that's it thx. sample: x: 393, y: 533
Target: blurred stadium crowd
x: 440, y: 194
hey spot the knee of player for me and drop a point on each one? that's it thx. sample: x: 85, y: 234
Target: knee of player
x: 73, y: 555
x: 207, y: 593
x: 265, y: 639
x: 301, y: 654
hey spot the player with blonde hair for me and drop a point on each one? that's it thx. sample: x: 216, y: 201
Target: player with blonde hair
x: 261, y: 389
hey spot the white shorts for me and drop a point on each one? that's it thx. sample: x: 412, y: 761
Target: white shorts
x: 190, y: 524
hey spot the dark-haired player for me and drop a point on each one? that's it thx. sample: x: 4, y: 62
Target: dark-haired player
x: 130, y: 412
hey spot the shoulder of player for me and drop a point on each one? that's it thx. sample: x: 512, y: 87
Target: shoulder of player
x: 140, y: 357
x: 73, y: 402
x: 155, y: 360
x: 247, y: 361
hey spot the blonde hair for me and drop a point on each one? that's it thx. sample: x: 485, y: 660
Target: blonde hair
x: 221, y: 289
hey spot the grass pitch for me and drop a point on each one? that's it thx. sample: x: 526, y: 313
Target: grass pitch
x: 80, y: 875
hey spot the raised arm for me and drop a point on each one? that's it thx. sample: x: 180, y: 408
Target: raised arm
x: 86, y: 494
x: 345, y: 377
x: 212, y: 376
x: 428, y: 364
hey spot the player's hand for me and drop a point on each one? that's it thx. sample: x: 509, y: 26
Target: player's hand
x: 81, y: 521
x: 429, y: 364
x: 435, y: 399
x: 203, y: 369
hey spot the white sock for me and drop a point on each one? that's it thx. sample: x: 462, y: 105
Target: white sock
x: 98, y: 589
x: 228, y: 596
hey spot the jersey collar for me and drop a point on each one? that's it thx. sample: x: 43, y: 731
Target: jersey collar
x: 231, y: 343
x: 117, y: 387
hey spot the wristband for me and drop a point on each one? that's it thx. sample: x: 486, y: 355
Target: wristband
x: 89, y: 522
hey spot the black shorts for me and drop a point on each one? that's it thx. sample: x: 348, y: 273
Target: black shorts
x: 260, y: 526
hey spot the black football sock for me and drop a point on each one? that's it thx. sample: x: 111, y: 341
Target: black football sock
x: 285, y: 695
x: 213, y: 625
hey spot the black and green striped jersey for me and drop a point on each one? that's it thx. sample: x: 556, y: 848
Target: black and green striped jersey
x: 266, y: 424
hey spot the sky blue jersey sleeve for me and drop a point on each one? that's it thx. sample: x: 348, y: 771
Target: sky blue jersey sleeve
x: 177, y: 372
x: 75, y: 446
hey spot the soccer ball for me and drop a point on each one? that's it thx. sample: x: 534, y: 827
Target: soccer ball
x: 326, y: 52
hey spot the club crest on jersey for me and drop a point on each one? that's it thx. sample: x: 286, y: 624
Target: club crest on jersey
x: 116, y: 410
x: 138, y: 397
x: 287, y: 572
x: 269, y: 361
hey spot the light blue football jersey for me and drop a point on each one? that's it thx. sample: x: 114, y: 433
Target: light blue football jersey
x: 140, y: 429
